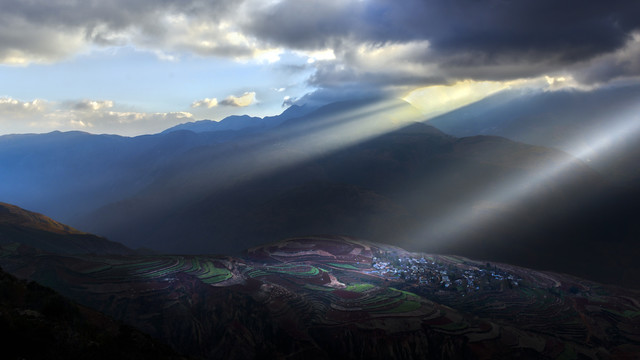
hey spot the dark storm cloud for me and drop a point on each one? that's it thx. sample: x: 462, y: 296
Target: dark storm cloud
x: 117, y: 14
x: 440, y: 40
x: 490, y: 39
x: 330, y: 75
x: 346, y: 92
x: 624, y: 63
x: 567, y: 30
x: 312, y: 24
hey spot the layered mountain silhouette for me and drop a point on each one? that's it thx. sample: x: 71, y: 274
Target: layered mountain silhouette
x: 68, y: 174
x: 359, y: 168
x: 601, y: 126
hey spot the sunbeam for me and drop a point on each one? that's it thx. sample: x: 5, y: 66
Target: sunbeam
x: 447, y: 226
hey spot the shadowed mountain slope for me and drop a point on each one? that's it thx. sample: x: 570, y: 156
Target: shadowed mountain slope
x: 68, y: 174
x: 600, y: 126
x: 38, y: 323
x: 22, y: 227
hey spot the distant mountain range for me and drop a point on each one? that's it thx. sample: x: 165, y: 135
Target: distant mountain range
x: 243, y: 122
x: 359, y: 168
x: 69, y: 174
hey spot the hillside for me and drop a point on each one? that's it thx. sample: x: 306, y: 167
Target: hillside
x: 337, y: 297
x: 21, y: 227
x: 38, y: 323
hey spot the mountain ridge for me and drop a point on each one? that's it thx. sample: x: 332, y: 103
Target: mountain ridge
x: 597, y: 126
x: 26, y: 228
x: 243, y: 122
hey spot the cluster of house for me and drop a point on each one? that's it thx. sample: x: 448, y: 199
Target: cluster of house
x: 433, y: 274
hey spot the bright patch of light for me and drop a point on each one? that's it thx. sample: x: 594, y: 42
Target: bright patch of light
x: 625, y: 127
x: 206, y: 103
x: 269, y: 56
x: 319, y: 55
x: 438, y: 99
x: 239, y: 101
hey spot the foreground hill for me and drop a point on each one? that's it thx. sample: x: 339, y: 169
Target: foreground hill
x: 336, y: 297
x: 21, y: 227
x: 37, y: 323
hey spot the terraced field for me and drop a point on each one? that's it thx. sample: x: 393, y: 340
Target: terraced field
x: 318, y: 285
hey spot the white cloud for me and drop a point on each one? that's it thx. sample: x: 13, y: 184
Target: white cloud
x: 206, y: 103
x: 10, y: 107
x: 378, y: 65
x: 202, y: 35
x: 288, y: 101
x: 317, y: 55
x: 51, y: 30
x: 93, y: 105
x: 97, y: 116
x: 269, y: 56
x: 106, y: 121
x: 241, y: 101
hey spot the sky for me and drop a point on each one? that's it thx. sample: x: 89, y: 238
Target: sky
x: 136, y: 67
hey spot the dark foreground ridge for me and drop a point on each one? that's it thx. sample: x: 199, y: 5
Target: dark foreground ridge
x: 337, y: 297
x: 37, y: 323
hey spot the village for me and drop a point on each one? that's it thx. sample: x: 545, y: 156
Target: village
x: 432, y: 275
